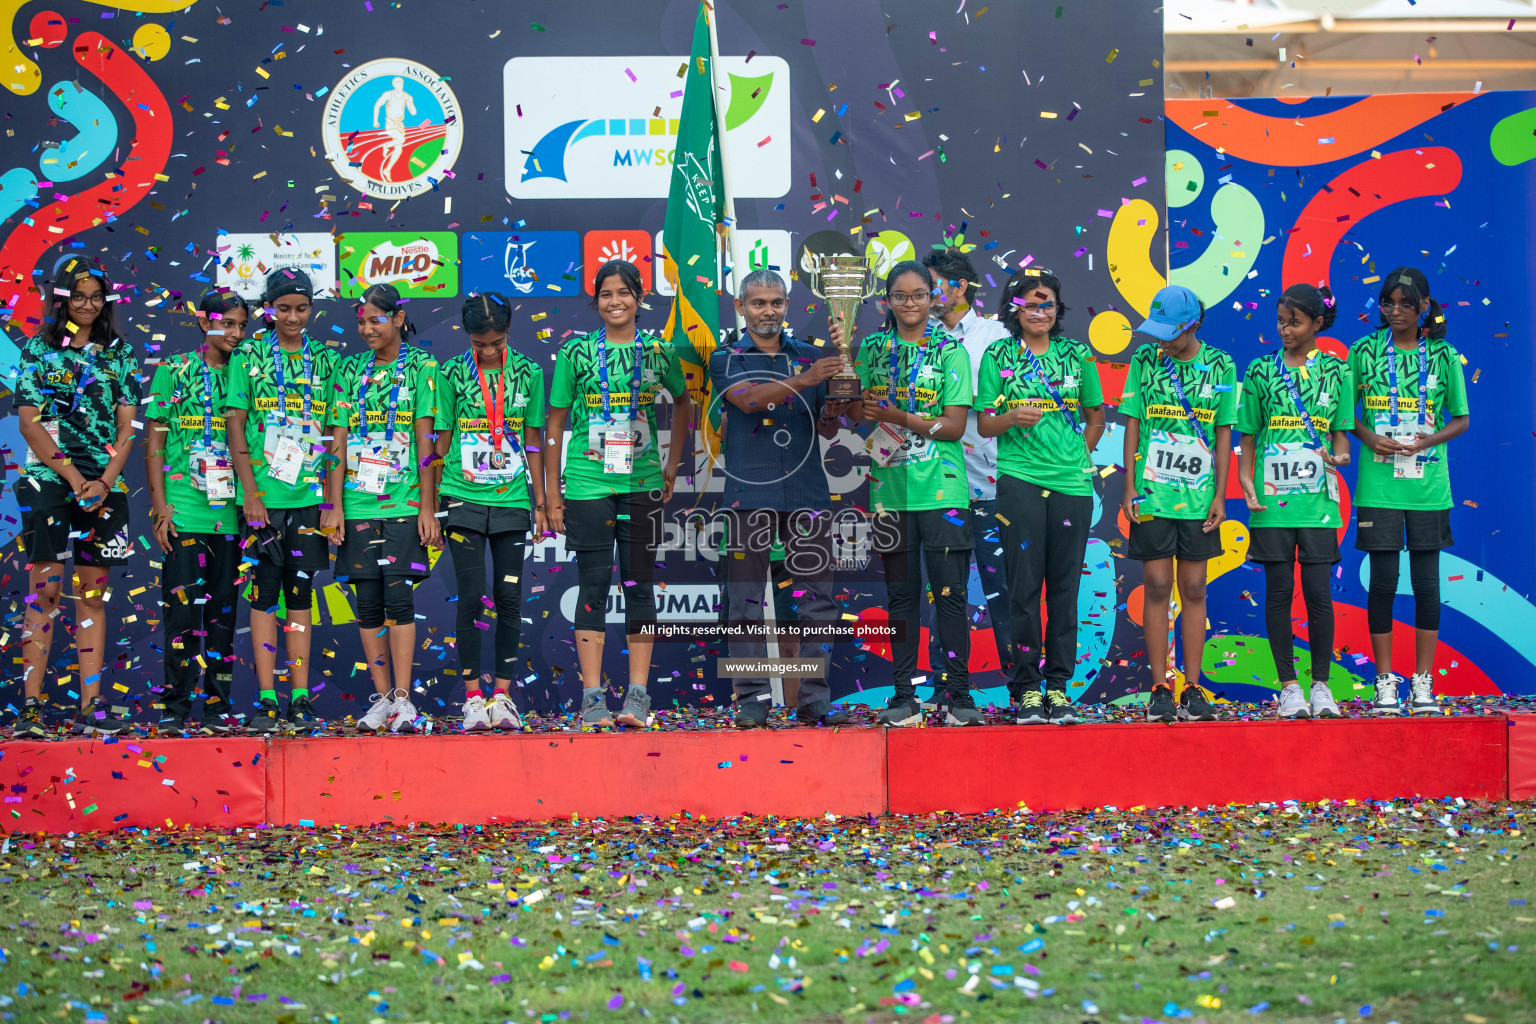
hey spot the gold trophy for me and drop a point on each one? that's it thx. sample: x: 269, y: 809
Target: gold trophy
x: 844, y: 281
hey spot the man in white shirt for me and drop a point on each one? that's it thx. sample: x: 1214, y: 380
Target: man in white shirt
x: 954, y: 297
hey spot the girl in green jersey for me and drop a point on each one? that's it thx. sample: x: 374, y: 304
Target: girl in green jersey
x: 1413, y: 399
x: 615, y: 484
x: 1039, y: 395
x: 490, y: 414
x: 196, y: 516
x: 383, y: 498
x: 1294, y: 416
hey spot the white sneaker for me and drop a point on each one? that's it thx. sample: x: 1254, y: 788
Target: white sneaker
x: 1421, y: 694
x: 379, y: 708
x: 1387, y: 702
x: 475, y: 717
x: 1291, y: 703
x: 504, y: 713
x: 403, y: 716
x: 1323, y: 704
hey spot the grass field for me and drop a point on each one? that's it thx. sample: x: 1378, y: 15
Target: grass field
x: 1403, y: 911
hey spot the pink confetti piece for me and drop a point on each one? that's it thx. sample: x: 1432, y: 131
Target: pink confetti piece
x: 632, y: 78
x: 807, y: 42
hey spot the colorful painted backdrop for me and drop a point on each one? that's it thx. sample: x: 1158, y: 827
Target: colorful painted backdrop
x: 1266, y: 193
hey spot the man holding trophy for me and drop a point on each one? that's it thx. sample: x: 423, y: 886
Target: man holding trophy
x: 774, y: 405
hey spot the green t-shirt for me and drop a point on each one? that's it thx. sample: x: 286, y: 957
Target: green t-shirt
x: 85, y: 430
x: 470, y: 472
x: 1295, y: 485
x: 577, y: 386
x: 1174, y: 468
x: 1050, y: 454
x: 927, y: 474
x: 1422, y: 482
x: 400, y: 496
x: 253, y: 387
x: 176, y: 400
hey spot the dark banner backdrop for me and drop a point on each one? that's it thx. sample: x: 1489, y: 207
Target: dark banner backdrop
x: 450, y: 146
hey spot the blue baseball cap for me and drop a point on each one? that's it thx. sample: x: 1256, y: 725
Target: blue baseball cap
x: 1175, y: 309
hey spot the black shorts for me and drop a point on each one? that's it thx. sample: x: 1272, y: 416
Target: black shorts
x: 595, y: 524
x: 1384, y: 529
x: 1173, y: 538
x: 290, y: 538
x: 1304, y: 544
x: 488, y: 520
x: 51, y: 513
x: 932, y: 529
x: 395, y: 542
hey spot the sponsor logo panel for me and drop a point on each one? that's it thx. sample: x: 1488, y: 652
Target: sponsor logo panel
x: 419, y: 265
x: 518, y: 263
x: 606, y: 127
x: 245, y: 260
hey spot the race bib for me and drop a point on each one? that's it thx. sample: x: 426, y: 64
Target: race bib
x: 213, y: 473
x: 638, y: 432
x: 483, y: 463
x: 1178, y: 459
x: 372, y: 473
x: 373, y: 462
x: 894, y: 447
x: 1404, y: 467
x: 1295, y: 469
x: 52, y: 426
x: 287, y: 450
x: 618, y: 451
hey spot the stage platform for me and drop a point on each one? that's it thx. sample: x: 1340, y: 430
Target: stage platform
x: 227, y: 782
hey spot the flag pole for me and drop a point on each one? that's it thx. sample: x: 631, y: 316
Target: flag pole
x: 729, y: 205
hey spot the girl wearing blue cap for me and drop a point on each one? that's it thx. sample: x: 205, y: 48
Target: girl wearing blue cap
x: 1413, y: 400
x: 1180, y: 404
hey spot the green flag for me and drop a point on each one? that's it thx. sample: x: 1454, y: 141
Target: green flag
x: 690, y: 239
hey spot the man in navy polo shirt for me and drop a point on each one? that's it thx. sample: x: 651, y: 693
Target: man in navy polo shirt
x: 772, y: 394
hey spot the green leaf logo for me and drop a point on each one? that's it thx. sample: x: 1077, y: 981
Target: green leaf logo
x: 747, y: 98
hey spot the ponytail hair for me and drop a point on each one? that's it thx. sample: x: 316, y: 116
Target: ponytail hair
x: 1415, y: 288
x: 387, y: 298
x: 1312, y: 301
x: 486, y: 313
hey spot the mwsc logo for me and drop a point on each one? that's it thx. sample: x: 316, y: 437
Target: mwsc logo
x: 583, y: 139
x: 391, y: 128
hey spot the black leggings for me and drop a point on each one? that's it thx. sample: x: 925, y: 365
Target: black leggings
x: 1423, y: 574
x: 1279, y: 590
x: 468, y: 551
x: 947, y: 572
x: 637, y: 575
x: 268, y: 579
x: 391, y: 598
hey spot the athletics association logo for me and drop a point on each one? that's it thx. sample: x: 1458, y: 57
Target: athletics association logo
x: 392, y: 128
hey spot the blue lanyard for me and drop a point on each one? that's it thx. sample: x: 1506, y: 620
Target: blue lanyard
x: 279, y: 358
x: 207, y: 407
x: 602, y: 374
x: 85, y: 374
x: 1178, y: 390
x: 365, y: 371
x: 485, y: 393
x: 1039, y: 371
x: 1392, y: 378
x: 1301, y: 408
x: 917, y: 368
